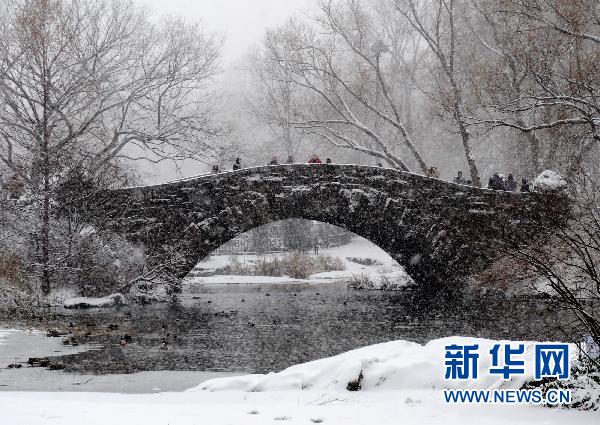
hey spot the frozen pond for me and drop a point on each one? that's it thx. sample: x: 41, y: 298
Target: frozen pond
x: 267, y: 327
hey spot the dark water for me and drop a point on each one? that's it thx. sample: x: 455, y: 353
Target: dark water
x: 261, y: 328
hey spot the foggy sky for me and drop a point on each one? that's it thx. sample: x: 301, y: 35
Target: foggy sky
x: 243, y: 22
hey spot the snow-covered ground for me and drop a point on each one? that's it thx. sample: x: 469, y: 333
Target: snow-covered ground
x: 422, y: 407
x: 384, y: 268
x: 402, y: 383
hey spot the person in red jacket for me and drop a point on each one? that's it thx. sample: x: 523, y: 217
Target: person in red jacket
x: 314, y: 159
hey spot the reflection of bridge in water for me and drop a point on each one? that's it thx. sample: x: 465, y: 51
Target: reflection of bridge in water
x: 437, y: 230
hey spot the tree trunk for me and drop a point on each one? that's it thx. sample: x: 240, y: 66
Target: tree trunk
x: 45, y: 231
x: 45, y: 152
x: 534, y: 144
x: 466, y: 140
x: 465, y: 136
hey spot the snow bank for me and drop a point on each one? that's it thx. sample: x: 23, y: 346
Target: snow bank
x: 387, y: 277
x: 396, y: 365
x: 58, y: 296
x: 385, y: 272
x: 549, y: 180
x: 86, y: 302
x: 359, y: 246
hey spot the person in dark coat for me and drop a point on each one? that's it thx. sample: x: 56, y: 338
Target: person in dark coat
x: 274, y: 160
x: 215, y: 169
x: 511, y: 184
x: 237, y: 165
x: 290, y: 160
x: 496, y: 182
x: 459, y: 178
x: 525, y: 185
x: 328, y: 161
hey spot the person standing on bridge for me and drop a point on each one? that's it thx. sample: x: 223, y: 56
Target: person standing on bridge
x: 237, y: 165
x: 432, y: 172
x: 329, y: 166
x: 459, y: 179
x: 314, y: 159
x: 215, y: 169
x: 290, y: 160
x: 511, y: 184
x: 496, y: 182
x: 274, y: 160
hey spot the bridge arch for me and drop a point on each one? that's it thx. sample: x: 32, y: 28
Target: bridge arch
x: 434, y: 229
x: 345, y: 252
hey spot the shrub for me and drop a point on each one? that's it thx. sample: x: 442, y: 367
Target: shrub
x: 296, y: 265
x: 100, y: 264
x: 268, y: 267
x: 566, y: 259
x: 10, y: 265
x: 364, y: 261
x: 366, y: 281
x: 360, y: 281
x: 14, y: 301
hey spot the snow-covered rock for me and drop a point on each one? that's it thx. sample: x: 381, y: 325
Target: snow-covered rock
x: 88, y: 302
x: 395, y: 365
x: 549, y: 180
x: 150, y: 292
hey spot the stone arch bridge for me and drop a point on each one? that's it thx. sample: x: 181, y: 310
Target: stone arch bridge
x: 437, y: 230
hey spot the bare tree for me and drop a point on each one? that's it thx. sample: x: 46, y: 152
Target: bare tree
x: 87, y: 83
x: 437, y: 21
x: 551, y: 55
x: 498, y: 72
x: 567, y: 262
x: 344, y: 62
x: 276, y: 100
x: 405, y: 58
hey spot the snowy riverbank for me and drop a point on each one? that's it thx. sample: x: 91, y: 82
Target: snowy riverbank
x: 402, y: 383
x: 362, y: 261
